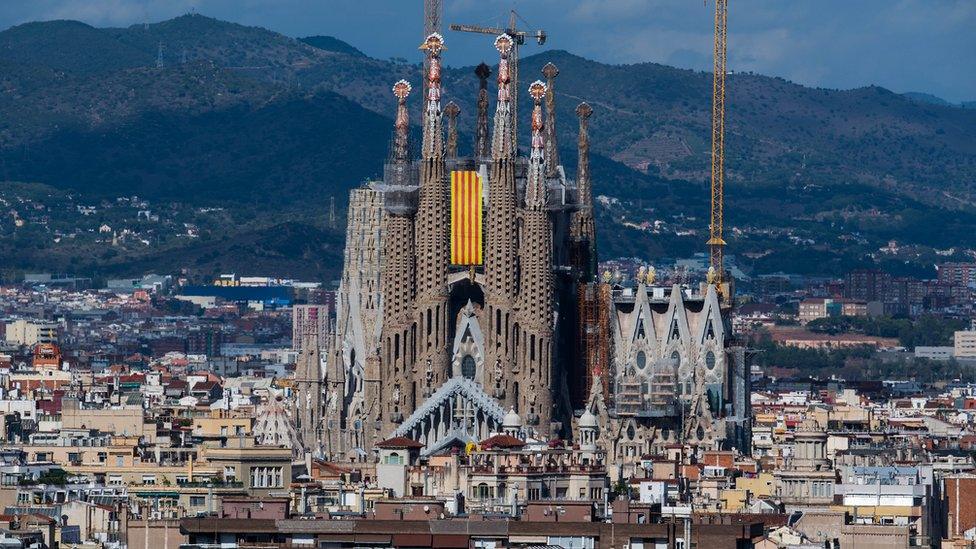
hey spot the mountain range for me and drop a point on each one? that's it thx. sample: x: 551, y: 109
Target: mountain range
x: 196, y: 113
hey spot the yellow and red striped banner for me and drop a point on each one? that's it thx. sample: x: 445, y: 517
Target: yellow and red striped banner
x: 466, y: 218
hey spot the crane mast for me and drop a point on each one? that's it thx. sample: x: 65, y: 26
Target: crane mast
x: 518, y: 38
x: 716, y: 241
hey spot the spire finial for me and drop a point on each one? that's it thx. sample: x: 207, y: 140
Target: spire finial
x: 501, y: 139
x: 481, y: 134
x: 401, y: 152
x: 433, y: 138
x: 452, y: 111
x: 550, y: 72
x: 535, y: 190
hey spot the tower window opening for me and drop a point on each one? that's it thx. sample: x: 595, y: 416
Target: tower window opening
x: 468, y: 367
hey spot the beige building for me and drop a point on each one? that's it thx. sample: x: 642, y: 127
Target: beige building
x: 263, y: 470
x: 124, y: 421
x: 808, y: 478
x: 30, y: 333
x: 964, y: 344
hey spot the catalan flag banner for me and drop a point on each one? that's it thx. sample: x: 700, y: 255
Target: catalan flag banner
x: 466, y: 218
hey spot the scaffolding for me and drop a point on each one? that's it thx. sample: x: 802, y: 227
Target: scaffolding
x: 594, y: 341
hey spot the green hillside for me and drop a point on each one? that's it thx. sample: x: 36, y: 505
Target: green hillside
x: 271, y: 129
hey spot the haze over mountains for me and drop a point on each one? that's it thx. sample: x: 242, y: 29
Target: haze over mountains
x: 271, y: 128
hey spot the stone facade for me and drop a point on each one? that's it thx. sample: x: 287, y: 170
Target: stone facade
x: 439, y: 352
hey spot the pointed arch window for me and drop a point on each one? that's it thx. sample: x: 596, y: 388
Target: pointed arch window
x: 641, y: 334
x: 468, y: 367
x: 709, y: 329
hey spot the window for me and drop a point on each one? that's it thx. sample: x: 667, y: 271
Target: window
x: 572, y: 542
x: 198, y: 501
x: 266, y: 477
x: 468, y: 367
x: 394, y: 458
x: 120, y: 461
x: 641, y: 360
x: 710, y: 360
x: 115, y: 480
x: 149, y: 480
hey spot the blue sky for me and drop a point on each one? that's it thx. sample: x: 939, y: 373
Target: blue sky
x: 903, y: 45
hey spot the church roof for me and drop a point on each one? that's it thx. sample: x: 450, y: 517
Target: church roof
x: 399, y: 442
x: 501, y: 441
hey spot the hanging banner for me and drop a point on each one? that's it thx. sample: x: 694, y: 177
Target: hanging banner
x: 466, y: 220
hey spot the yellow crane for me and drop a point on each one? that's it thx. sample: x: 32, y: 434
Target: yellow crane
x: 716, y: 242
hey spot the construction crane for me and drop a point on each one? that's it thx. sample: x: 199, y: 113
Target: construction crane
x: 716, y: 242
x: 518, y: 38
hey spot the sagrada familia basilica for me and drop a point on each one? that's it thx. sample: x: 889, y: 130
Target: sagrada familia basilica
x: 471, y: 300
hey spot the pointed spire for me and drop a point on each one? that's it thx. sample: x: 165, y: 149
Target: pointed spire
x: 481, y: 134
x: 401, y: 132
x: 501, y: 138
x: 535, y: 189
x: 452, y: 111
x: 433, y: 128
x: 550, y: 71
x: 583, y: 111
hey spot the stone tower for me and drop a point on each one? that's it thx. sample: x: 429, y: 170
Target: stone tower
x: 307, y: 411
x: 432, y: 241
x: 399, y: 270
x: 534, y: 338
x: 501, y: 256
x: 582, y: 228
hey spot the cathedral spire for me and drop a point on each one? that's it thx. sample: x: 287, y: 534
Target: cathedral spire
x: 433, y: 128
x: 550, y: 71
x: 502, y: 135
x: 401, y: 135
x: 582, y: 226
x: 481, y: 134
x: 452, y: 111
x: 583, y: 111
x: 535, y: 189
